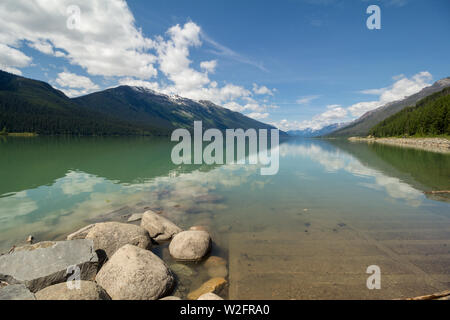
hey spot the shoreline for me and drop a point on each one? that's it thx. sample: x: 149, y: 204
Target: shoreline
x: 439, y: 145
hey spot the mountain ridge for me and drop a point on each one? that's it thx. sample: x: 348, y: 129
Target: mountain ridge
x: 28, y: 105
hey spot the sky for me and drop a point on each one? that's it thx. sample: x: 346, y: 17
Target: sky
x: 293, y: 63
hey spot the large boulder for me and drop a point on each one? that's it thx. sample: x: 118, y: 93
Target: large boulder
x: 158, y: 227
x: 16, y: 292
x: 108, y: 237
x: 133, y: 273
x: 190, y: 245
x: 38, y: 267
x: 88, y: 290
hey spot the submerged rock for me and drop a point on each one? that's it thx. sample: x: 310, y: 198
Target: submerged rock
x: 190, y: 245
x: 133, y: 273
x: 39, y: 266
x: 215, y: 261
x: 182, y: 270
x: 88, y: 290
x: 213, y: 285
x: 209, y: 296
x: 108, y: 237
x: 16, y: 292
x: 158, y: 227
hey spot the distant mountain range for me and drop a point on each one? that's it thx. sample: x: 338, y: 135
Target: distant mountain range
x: 28, y: 105
x: 311, y: 133
x: 363, y: 125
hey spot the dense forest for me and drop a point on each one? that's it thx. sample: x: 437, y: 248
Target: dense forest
x: 429, y: 117
x: 28, y: 105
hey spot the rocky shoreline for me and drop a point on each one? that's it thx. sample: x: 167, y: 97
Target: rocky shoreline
x: 114, y: 260
x: 439, y: 145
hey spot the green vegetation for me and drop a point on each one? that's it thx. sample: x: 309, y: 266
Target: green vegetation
x: 430, y: 117
x: 33, y: 106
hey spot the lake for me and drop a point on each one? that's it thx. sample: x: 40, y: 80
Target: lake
x: 310, y: 232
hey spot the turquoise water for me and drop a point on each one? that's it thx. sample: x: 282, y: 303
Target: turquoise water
x: 50, y: 186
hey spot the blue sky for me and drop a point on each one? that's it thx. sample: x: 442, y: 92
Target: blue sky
x: 294, y: 63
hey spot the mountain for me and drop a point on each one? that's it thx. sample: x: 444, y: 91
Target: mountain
x: 145, y: 107
x: 311, y: 133
x: 429, y: 117
x: 362, y: 126
x: 28, y: 105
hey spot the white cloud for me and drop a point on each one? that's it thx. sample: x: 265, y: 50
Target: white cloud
x: 209, y: 66
x: 258, y: 115
x: 224, y: 51
x: 262, y: 90
x: 106, y: 42
x: 11, y: 59
x: 402, y: 88
x: 78, y: 85
x: 335, y: 113
x: 72, y: 80
x: 306, y: 99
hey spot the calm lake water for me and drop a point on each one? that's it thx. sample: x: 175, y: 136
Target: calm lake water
x: 308, y: 232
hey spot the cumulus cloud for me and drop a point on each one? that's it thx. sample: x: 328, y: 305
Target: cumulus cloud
x: 105, y: 42
x: 402, y: 88
x: 262, y: 90
x: 258, y: 115
x: 209, y: 66
x: 75, y: 85
x: 115, y: 48
x: 11, y: 59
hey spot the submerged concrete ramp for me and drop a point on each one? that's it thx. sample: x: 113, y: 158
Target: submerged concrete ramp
x: 332, y: 263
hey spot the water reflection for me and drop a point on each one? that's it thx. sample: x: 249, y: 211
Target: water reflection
x: 52, y: 186
x: 334, y: 160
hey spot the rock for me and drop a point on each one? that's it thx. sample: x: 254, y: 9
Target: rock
x: 133, y: 273
x: 170, y: 298
x: 80, y: 234
x: 158, y: 227
x: 213, y: 285
x: 190, y: 245
x: 218, y: 272
x: 88, y: 290
x: 209, y: 296
x: 16, y: 292
x: 182, y: 270
x: 108, y: 237
x: 30, y: 239
x: 215, y: 261
x: 135, y: 217
x: 42, y: 266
